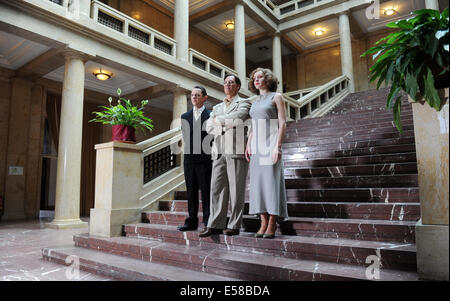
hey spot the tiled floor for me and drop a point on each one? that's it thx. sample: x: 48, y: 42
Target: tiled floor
x: 21, y: 243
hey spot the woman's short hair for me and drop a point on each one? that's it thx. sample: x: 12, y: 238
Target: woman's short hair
x: 269, y: 78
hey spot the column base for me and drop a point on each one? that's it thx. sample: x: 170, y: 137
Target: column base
x: 66, y: 224
x: 432, y: 251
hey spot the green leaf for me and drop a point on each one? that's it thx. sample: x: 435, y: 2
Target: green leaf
x: 119, y: 91
x: 397, y: 114
x: 411, y: 85
x: 430, y: 94
x: 392, y: 94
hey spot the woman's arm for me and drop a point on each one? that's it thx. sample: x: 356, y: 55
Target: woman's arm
x: 281, y: 108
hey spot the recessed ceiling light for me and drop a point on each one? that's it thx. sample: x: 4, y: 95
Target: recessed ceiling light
x: 389, y: 11
x: 229, y: 25
x: 102, y: 75
x: 319, y: 31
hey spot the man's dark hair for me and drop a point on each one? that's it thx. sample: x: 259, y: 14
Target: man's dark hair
x: 201, y: 89
x: 237, y: 79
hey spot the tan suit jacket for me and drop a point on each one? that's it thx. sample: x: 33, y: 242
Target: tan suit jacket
x: 230, y: 129
x: 229, y: 172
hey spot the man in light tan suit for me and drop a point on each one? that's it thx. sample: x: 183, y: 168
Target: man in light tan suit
x: 227, y: 123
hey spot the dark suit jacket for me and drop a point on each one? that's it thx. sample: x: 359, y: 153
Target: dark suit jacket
x: 196, y: 138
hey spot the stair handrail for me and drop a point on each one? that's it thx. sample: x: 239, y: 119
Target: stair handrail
x: 301, y: 92
x: 324, y: 100
x: 170, y: 177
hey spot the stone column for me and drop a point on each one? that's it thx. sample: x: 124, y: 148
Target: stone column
x: 346, y: 49
x: 239, y: 43
x: 277, y: 65
x: 431, y: 131
x: 181, y: 27
x: 179, y: 106
x: 67, y: 200
x: 432, y: 4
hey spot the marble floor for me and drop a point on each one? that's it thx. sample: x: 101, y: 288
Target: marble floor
x: 21, y: 243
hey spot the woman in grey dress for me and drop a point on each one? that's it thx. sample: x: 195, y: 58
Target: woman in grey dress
x: 263, y: 151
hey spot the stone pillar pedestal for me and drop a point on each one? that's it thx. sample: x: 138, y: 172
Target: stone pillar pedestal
x: 277, y: 63
x: 67, y: 200
x: 346, y: 49
x: 432, y: 4
x: 118, y: 186
x: 181, y: 29
x: 431, y: 130
x: 239, y: 43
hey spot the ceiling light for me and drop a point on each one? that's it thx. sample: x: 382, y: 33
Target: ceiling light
x: 102, y: 75
x: 389, y: 11
x: 229, y: 25
x: 319, y: 31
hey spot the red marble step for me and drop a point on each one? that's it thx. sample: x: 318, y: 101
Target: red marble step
x: 342, y: 122
x: 355, y: 133
x: 361, y: 195
x: 365, y: 110
x: 329, y: 122
x: 349, y: 138
x: 352, y: 170
x: 393, y: 256
x: 383, y: 195
x: 359, y: 229
x: 329, y: 126
x: 406, y: 180
x: 366, y: 211
x: 306, y: 147
x: 231, y: 263
x: 354, y: 160
x: 124, y: 268
x: 372, y: 211
x: 364, y: 151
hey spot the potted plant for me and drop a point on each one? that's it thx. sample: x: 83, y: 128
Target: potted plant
x: 124, y: 118
x: 414, y: 59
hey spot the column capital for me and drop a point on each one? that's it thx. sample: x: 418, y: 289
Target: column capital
x: 178, y: 90
x: 275, y: 34
x: 70, y: 54
x: 343, y: 13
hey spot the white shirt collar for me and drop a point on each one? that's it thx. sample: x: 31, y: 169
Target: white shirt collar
x: 199, y: 110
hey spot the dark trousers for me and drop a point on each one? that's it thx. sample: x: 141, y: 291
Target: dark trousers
x: 197, y: 177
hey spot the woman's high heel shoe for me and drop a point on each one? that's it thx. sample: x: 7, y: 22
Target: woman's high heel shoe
x: 257, y: 235
x: 269, y: 236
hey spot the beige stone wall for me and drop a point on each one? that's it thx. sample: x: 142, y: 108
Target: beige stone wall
x: 23, y: 149
x: 310, y: 64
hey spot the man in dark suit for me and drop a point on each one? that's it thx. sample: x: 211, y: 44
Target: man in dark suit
x: 197, y: 158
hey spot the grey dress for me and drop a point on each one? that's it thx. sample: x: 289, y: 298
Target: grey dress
x: 267, y: 187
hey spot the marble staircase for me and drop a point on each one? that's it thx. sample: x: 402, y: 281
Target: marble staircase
x: 353, y: 203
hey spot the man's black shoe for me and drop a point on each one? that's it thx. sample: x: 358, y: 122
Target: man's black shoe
x: 209, y: 232
x: 187, y: 228
x: 231, y: 232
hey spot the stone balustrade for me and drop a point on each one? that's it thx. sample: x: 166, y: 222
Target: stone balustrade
x: 132, y: 177
x: 316, y: 102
